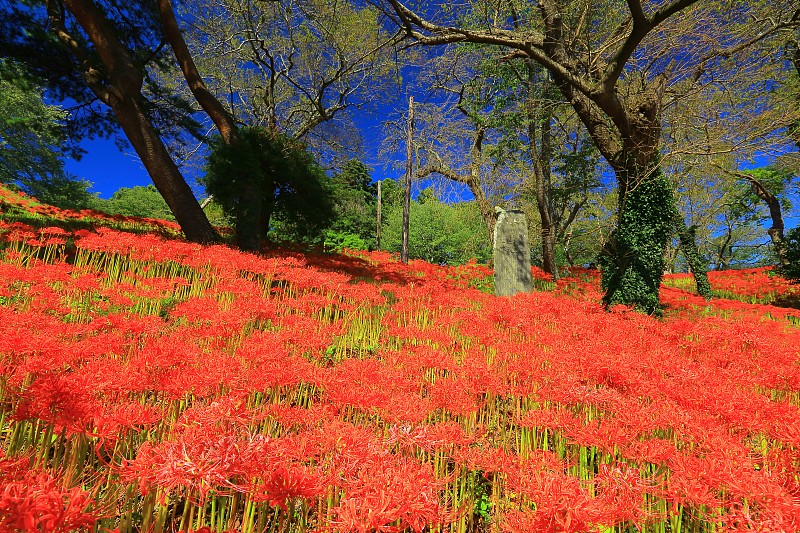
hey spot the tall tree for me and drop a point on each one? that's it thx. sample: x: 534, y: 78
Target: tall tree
x: 614, y: 61
x: 540, y: 130
x: 501, y: 130
x: 768, y: 185
x: 110, y: 46
x: 297, y: 66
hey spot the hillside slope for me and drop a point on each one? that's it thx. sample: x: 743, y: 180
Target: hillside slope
x: 148, y: 384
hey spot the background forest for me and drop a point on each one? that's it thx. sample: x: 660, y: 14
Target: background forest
x: 282, y: 116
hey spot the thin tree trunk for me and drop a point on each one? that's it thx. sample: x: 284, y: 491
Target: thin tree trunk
x: 487, y: 211
x: 776, y: 216
x: 210, y: 104
x: 688, y: 243
x: 540, y: 133
x: 775, y: 232
x: 378, y: 228
x: 409, y: 170
x: 474, y: 183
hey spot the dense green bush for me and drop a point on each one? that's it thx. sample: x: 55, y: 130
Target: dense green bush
x: 267, y: 182
x: 138, y: 201
x: 440, y: 233
x: 791, y: 270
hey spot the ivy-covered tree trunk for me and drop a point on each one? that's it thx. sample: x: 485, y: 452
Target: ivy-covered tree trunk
x: 688, y: 241
x: 633, y: 259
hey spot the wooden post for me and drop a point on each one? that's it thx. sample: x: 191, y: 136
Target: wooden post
x: 409, y: 168
x: 378, y: 239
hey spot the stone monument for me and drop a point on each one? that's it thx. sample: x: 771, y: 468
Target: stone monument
x: 512, y: 254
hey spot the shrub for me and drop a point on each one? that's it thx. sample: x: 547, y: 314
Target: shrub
x: 267, y: 180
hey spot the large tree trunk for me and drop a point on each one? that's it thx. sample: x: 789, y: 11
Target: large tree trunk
x: 633, y: 259
x: 120, y: 88
x: 253, y: 216
x: 163, y: 171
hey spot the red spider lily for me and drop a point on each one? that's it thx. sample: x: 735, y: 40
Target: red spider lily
x: 446, y: 435
x: 65, y: 401
x: 284, y: 482
x: 200, y: 461
x: 389, y: 495
x: 289, y: 416
x: 281, y: 379
x: 562, y: 506
x: 453, y: 396
x: 369, y: 385
x: 34, y: 500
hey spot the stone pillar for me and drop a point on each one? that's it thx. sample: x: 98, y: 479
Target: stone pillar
x: 512, y: 254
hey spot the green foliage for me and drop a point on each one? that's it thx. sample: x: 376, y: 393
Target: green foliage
x: 29, y: 40
x: 439, y: 233
x: 31, y: 132
x: 267, y: 182
x: 391, y: 195
x: 138, y: 202
x: 355, y: 209
x: 337, y: 241
x: 775, y: 180
x: 216, y: 216
x: 32, y: 141
x: 64, y: 191
x: 792, y: 250
x: 633, y: 260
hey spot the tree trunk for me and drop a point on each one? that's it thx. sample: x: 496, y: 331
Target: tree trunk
x: 540, y: 146
x: 120, y: 89
x: 378, y: 217
x: 698, y: 268
x: 474, y: 183
x: 213, y: 107
x: 542, y: 158
x: 409, y: 170
x: 633, y: 258
x: 163, y: 171
x: 252, y: 216
x: 488, y: 213
x: 776, y: 216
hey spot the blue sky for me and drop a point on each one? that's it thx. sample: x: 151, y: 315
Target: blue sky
x: 107, y: 168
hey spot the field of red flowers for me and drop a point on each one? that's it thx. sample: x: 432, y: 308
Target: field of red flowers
x: 147, y: 384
